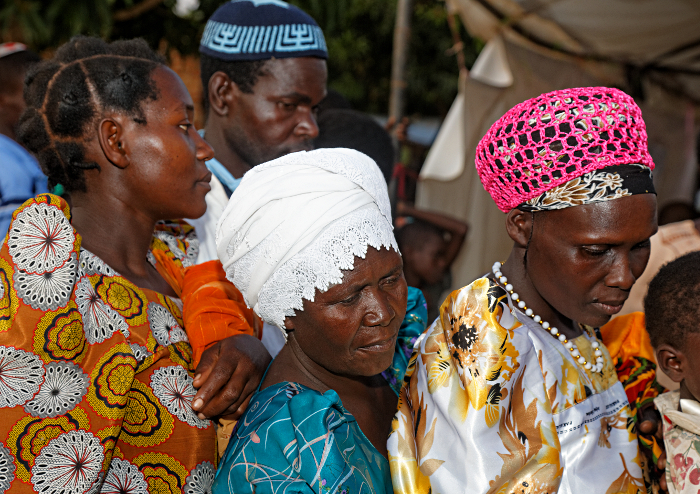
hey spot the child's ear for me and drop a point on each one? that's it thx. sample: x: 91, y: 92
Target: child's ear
x: 672, y: 361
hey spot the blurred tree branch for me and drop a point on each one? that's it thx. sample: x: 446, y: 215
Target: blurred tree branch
x: 359, y: 34
x: 136, y: 10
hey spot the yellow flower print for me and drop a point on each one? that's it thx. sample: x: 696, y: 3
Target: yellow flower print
x: 532, y: 464
x: 440, y: 369
x: 607, y: 424
x: 626, y: 483
x: 406, y: 475
x: 480, y: 345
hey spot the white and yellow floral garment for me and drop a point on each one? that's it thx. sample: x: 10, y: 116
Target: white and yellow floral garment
x: 492, y: 403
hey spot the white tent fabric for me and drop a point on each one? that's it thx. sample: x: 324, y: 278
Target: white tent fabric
x: 609, y: 35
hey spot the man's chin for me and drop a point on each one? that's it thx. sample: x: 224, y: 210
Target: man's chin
x: 282, y: 152
x: 295, y: 149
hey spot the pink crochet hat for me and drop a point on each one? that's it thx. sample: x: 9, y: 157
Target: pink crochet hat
x: 553, y: 138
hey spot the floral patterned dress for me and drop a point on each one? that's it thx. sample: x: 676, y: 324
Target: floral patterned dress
x: 293, y: 439
x: 681, y: 421
x: 492, y: 403
x: 95, y: 373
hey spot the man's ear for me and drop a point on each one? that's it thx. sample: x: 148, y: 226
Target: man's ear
x: 519, y: 226
x: 672, y: 361
x: 222, y: 93
x: 110, y: 135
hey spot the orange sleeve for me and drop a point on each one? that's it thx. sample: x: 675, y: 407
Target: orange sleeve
x: 626, y: 337
x: 169, y: 269
x: 213, y: 308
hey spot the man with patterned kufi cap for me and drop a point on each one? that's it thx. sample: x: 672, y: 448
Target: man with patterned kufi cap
x: 263, y: 71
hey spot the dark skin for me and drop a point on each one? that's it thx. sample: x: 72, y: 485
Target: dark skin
x: 11, y: 105
x: 278, y: 118
x: 581, y: 264
x: 346, y: 337
x: 148, y: 173
x: 581, y: 261
x: 426, y: 263
x: 679, y: 364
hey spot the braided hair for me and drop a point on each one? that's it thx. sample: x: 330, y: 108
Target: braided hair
x: 68, y: 93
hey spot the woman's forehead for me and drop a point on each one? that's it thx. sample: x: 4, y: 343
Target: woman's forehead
x: 375, y: 265
x: 172, y: 92
x: 627, y: 219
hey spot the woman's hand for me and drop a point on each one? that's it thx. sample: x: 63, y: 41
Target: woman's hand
x: 227, y: 376
x: 650, y: 428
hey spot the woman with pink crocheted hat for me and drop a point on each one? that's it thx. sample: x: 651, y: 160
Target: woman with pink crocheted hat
x: 512, y: 389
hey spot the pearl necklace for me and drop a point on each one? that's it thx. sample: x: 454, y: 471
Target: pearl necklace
x: 569, y: 345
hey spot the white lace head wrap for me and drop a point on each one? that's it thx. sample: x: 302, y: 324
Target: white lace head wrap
x: 294, y: 223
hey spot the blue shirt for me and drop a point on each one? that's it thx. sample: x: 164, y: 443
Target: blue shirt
x: 220, y: 172
x: 294, y: 439
x: 20, y: 179
x: 230, y: 184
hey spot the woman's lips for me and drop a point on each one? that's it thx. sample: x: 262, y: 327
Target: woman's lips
x: 206, y: 178
x: 380, y: 346
x: 205, y: 182
x: 609, y: 308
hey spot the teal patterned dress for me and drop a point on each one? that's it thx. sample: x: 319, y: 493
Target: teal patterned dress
x: 293, y: 439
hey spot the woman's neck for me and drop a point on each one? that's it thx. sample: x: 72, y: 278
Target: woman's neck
x: 120, y: 235
x: 369, y: 399
x: 514, y: 269
x: 307, y: 372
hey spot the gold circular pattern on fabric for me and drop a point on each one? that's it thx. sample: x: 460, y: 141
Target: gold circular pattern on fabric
x: 146, y: 422
x: 163, y: 473
x: 9, y: 303
x: 30, y: 434
x: 59, y: 335
x: 111, y: 379
x: 125, y: 298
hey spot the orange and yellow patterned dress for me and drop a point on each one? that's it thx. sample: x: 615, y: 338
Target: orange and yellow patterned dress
x: 492, y: 403
x: 95, y: 372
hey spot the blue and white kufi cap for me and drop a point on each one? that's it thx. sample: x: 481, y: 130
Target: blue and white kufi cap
x: 260, y: 30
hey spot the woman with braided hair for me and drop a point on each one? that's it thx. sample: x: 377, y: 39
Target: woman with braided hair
x: 512, y: 388
x: 97, y: 377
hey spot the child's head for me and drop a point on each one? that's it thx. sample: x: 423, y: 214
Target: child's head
x: 423, y: 249
x: 672, y: 308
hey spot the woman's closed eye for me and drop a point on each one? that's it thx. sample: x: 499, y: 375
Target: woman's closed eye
x: 287, y: 106
x: 351, y: 299
x: 596, y: 250
x: 646, y: 244
x: 390, y: 280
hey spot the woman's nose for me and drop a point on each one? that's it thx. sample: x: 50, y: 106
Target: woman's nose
x: 379, y: 310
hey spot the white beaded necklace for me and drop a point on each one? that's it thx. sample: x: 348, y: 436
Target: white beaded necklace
x: 569, y: 345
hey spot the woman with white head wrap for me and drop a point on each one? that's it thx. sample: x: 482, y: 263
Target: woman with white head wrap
x: 308, y: 240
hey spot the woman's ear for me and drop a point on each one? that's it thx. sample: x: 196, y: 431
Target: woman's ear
x: 222, y: 90
x: 111, y: 137
x: 519, y: 226
x: 288, y: 324
x: 672, y: 361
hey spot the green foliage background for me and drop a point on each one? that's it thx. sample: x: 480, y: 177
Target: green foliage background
x: 359, y: 35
